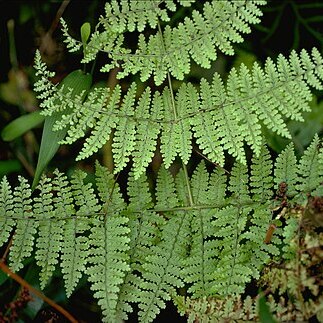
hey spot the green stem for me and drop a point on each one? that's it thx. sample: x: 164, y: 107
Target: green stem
x: 187, y: 181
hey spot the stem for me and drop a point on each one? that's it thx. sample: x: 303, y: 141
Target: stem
x: 187, y: 180
x: 23, y: 283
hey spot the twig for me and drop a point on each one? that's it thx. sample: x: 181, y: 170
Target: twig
x: 23, y: 283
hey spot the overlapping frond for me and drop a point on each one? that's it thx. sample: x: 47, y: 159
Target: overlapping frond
x: 220, y: 117
x: 199, y: 233
x: 218, y: 26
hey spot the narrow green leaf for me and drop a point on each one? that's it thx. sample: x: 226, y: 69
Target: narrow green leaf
x: 22, y: 124
x: 79, y: 82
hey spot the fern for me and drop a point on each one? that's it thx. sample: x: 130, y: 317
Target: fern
x: 109, y: 242
x: 220, y: 25
x: 6, y: 211
x: 206, y: 237
x: 26, y: 227
x: 47, y: 249
x: 220, y: 117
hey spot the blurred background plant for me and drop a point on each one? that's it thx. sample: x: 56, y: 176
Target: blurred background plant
x: 30, y: 24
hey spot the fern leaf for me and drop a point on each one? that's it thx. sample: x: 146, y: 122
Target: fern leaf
x: 231, y: 271
x: 199, y: 265
x: 50, y: 225
x: 219, y: 25
x: 26, y: 228
x: 240, y: 87
x: 148, y: 129
x: 144, y: 233
x: 124, y: 136
x: 72, y: 246
x: 84, y: 116
x: 310, y: 168
x: 238, y: 184
x: 286, y: 170
x: 135, y: 15
x: 165, y: 190
x: 72, y: 44
x: 217, y: 188
x: 76, y: 244
x: 228, y: 124
x: 261, y: 176
x: 6, y: 211
x: 108, y: 257
x: 104, y: 112
x: 161, y: 271
x: 205, y: 131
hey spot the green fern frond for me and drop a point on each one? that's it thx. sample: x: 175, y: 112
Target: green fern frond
x: 217, y: 188
x: 144, y: 234
x: 71, y: 44
x: 22, y: 244
x: 124, y: 136
x: 108, y: 256
x: 220, y: 25
x: 199, y: 233
x: 98, y: 115
x: 135, y: 15
x: 6, y: 211
x: 220, y: 117
x: 198, y: 267
x: 148, y: 129
x: 166, y: 196
x: 50, y: 225
x: 310, y: 167
x: 261, y: 181
x: 162, y: 270
x: 286, y: 170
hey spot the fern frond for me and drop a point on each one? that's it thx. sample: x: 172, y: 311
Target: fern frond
x: 166, y: 196
x: 108, y: 256
x: 76, y: 243
x: 50, y: 225
x: 162, y: 270
x: 147, y: 130
x: 198, y: 267
x: 135, y: 15
x: 124, y: 136
x: 221, y: 117
x: 22, y: 244
x: 71, y: 44
x: 219, y: 25
x: 108, y: 262
x: 286, y: 170
x: 98, y: 113
x: 238, y: 184
x: 217, y: 188
x: 310, y: 168
x: 43, y: 84
x: 6, y: 211
x: 206, y: 133
x: 261, y: 176
x: 144, y: 233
